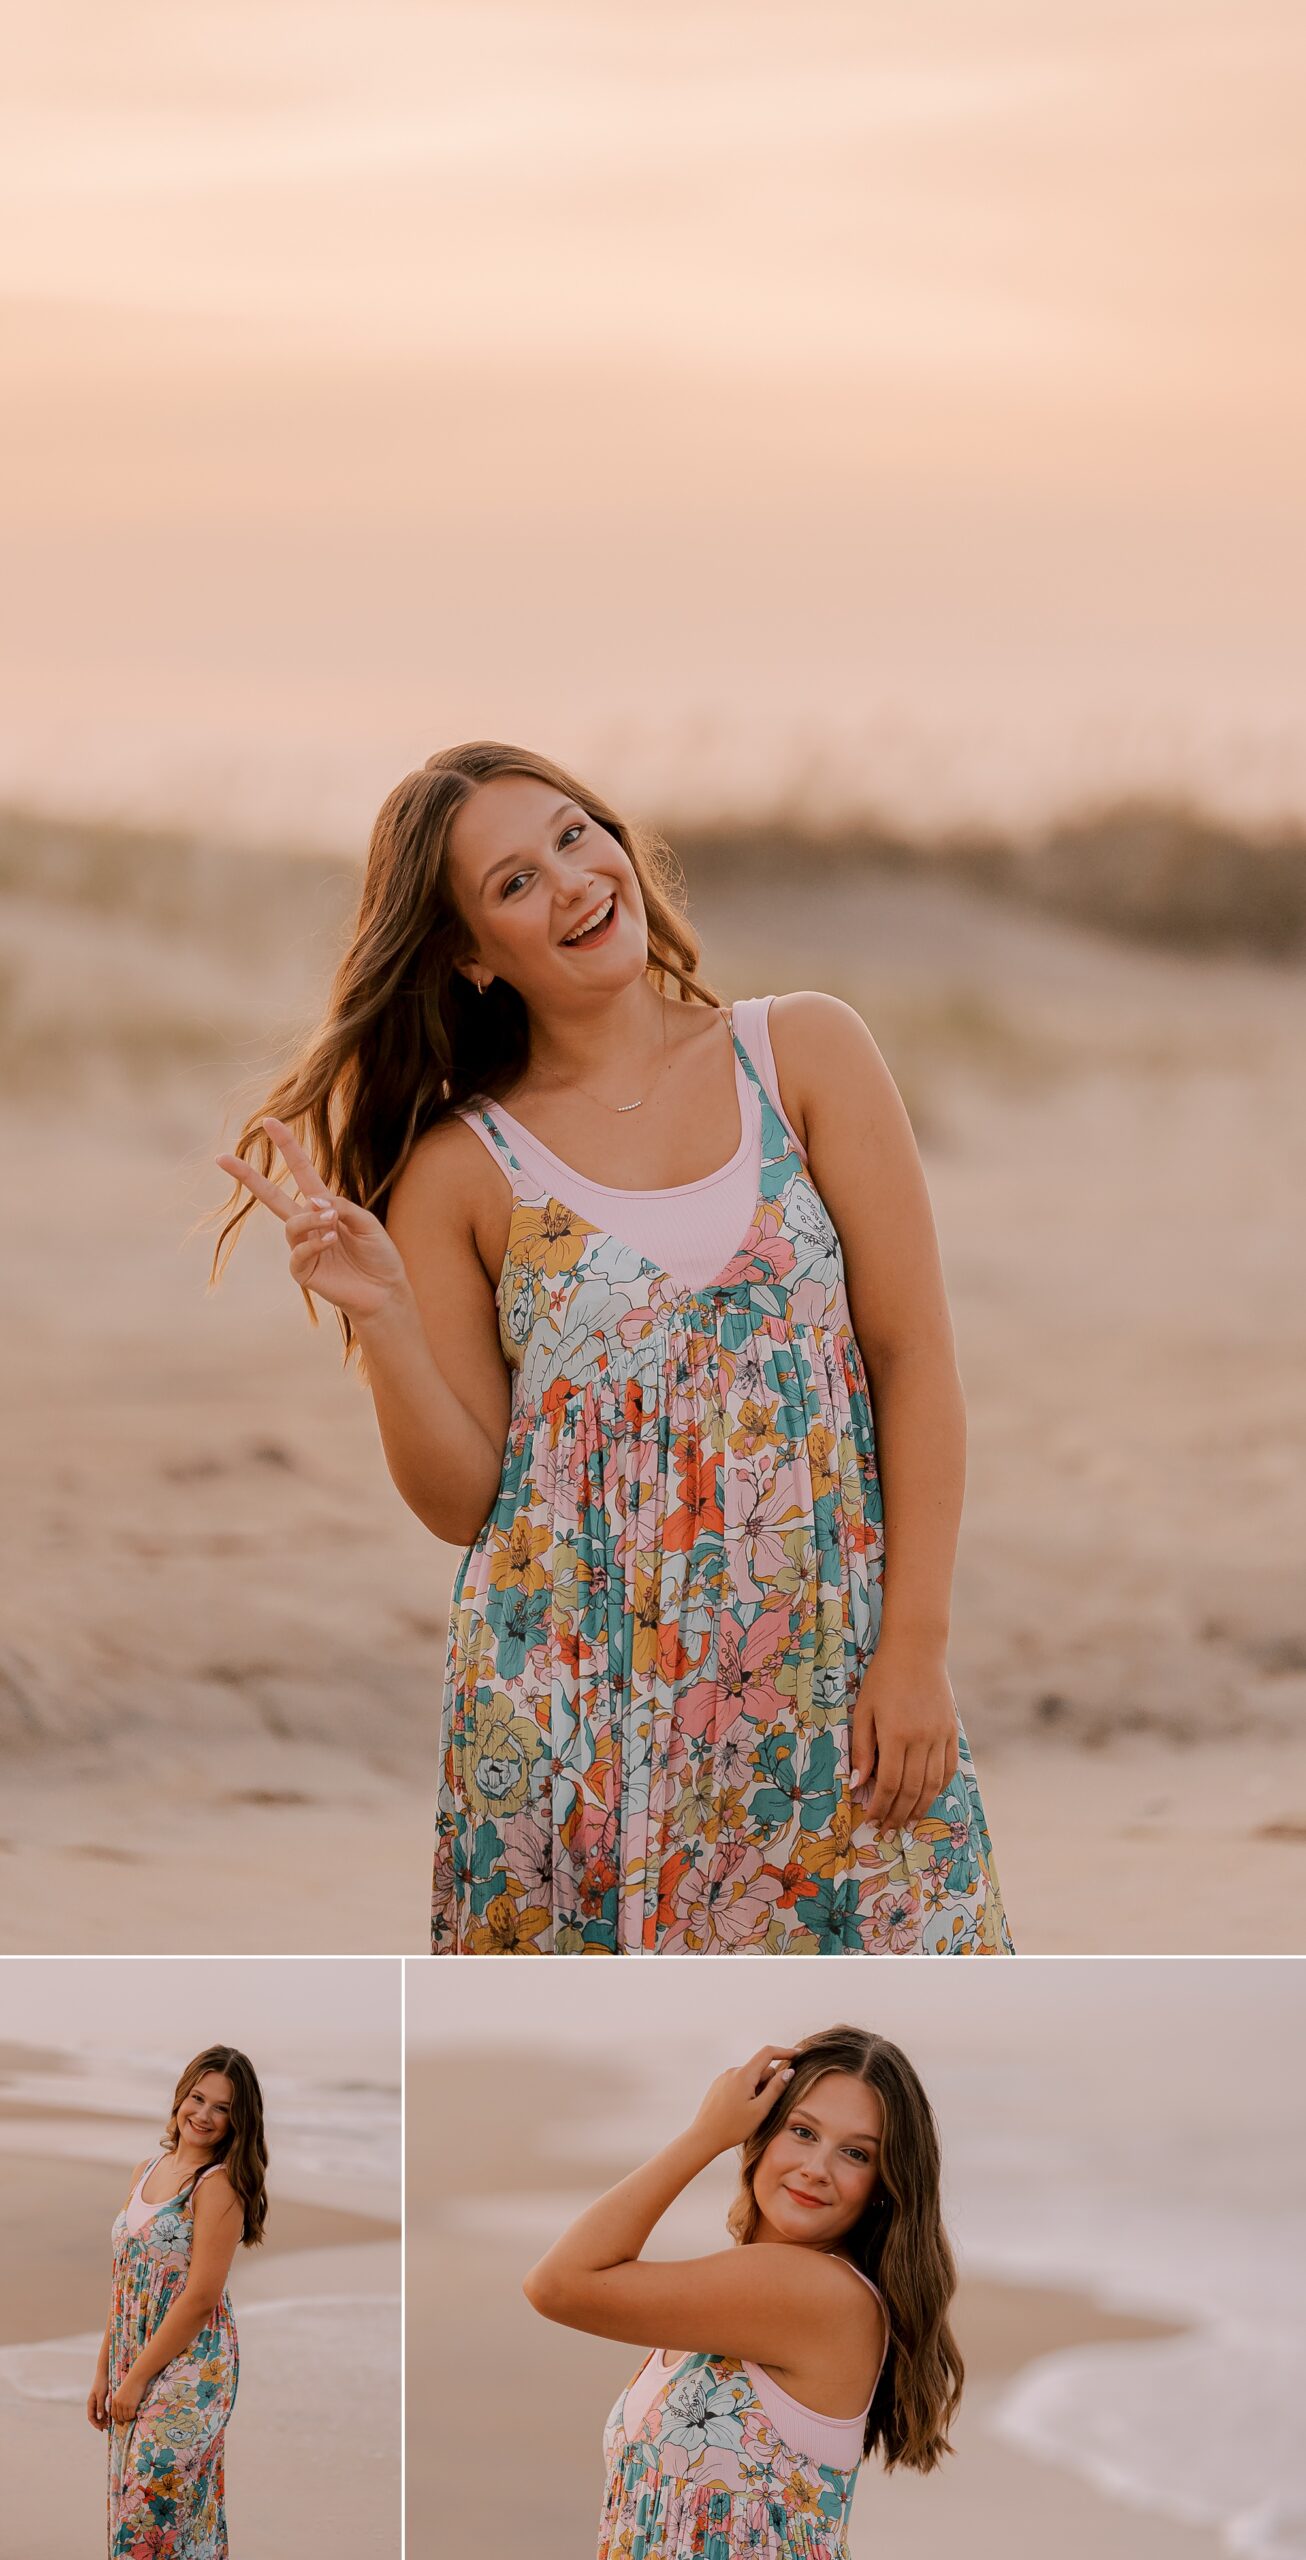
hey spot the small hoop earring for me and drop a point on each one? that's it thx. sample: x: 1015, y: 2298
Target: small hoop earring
x: 482, y: 984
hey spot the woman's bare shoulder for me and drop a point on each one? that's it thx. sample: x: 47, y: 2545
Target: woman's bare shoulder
x: 807, y: 1019
x: 447, y: 1177
x: 215, y: 2191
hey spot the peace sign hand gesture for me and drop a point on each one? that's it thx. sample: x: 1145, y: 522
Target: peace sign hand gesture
x: 339, y: 1251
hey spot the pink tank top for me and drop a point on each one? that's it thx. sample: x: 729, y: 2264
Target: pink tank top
x: 136, y: 2212
x: 693, y: 1229
x: 837, y: 2441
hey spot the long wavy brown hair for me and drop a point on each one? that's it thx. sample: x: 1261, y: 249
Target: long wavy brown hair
x: 405, y: 1042
x: 900, y: 2242
x: 244, y: 2154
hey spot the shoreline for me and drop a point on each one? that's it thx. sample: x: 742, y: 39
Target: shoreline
x: 57, y: 2287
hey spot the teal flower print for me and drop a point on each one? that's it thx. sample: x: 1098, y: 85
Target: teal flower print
x: 831, y: 1914
x: 796, y: 1776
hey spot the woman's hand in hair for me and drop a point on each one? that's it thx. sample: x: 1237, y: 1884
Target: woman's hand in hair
x: 339, y: 1251
x: 740, y: 2100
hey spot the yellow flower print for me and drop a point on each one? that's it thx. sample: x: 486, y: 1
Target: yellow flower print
x: 814, y: 1677
x: 754, y: 1429
x: 704, y: 1812
x: 648, y: 1619
x: 803, y: 1560
x: 551, y: 1238
x: 478, y: 1647
x: 501, y: 1748
x: 804, y: 2490
x: 515, y: 1556
x: 570, y: 1579
x: 853, y: 1488
x: 504, y: 1930
x: 829, y: 1852
x: 821, y: 1448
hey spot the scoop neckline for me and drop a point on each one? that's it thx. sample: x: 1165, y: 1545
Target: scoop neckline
x: 142, y: 2182
x: 669, y: 1191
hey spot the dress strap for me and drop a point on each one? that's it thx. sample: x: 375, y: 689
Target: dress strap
x: 776, y: 1141
x: 147, y: 2172
x: 888, y: 2331
x: 185, y: 2195
x: 483, y: 1119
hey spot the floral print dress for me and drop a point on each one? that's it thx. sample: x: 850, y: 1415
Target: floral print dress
x: 658, y: 1637
x: 166, y: 2487
x: 705, y: 2474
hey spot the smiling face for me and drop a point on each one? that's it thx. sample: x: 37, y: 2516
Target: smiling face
x: 820, y: 2169
x: 204, y: 2114
x: 528, y: 871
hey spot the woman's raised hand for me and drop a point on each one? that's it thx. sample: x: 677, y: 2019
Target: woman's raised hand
x: 339, y: 1251
x: 738, y: 2101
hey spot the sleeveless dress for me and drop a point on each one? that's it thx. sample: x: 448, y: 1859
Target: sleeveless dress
x: 657, y: 1638
x: 166, y: 2486
x: 710, y: 2460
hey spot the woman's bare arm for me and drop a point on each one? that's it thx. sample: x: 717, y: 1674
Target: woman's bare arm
x: 864, y: 1161
x: 443, y: 1327
x: 775, y: 2305
x: 423, y: 1310
x: 218, y: 2224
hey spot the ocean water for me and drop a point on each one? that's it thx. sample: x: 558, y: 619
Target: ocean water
x: 290, y: 2342
x: 330, y: 2142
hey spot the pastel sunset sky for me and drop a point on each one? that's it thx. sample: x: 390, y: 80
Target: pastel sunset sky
x: 867, y: 403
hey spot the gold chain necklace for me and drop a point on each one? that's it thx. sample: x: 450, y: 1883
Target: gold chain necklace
x: 569, y: 1084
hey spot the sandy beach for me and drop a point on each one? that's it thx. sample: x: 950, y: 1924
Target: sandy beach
x: 223, y: 1636
x: 480, y: 2361
x: 313, y: 2447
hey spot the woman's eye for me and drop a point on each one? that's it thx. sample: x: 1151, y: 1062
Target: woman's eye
x: 511, y: 884
x: 575, y: 829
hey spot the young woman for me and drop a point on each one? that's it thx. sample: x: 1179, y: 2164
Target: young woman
x: 165, y: 2384
x: 822, y: 2336
x: 618, y: 1262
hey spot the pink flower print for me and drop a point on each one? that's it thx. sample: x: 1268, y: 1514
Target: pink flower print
x: 893, y: 1923
x: 761, y: 1505
x: 766, y: 1254
x: 811, y: 1303
x: 725, y: 1907
x: 748, y: 1661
